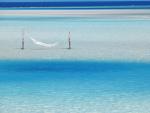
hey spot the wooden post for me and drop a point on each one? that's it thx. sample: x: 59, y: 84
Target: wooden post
x: 69, y: 41
x: 22, y: 39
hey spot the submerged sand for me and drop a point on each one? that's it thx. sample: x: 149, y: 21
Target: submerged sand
x: 10, y: 35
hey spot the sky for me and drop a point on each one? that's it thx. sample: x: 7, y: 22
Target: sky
x: 62, y: 0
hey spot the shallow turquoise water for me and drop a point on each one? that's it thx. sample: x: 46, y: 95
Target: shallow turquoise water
x: 74, y: 87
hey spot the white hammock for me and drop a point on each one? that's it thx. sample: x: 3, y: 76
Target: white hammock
x: 43, y: 44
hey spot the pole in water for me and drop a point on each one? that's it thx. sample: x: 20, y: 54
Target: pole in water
x: 22, y: 39
x: 69, y: 41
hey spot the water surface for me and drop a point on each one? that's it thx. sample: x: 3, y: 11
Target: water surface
x: 74, y: 87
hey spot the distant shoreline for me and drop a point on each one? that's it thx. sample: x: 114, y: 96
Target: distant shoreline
x: 75, y: 12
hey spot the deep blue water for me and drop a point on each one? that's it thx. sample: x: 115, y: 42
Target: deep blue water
x: 131, y: 74
x: 73, y: 86
x: 93, y: 4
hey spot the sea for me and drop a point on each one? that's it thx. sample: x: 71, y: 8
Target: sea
x: 84, y: 4
x: 29, y: 86
x: 106, y: 71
